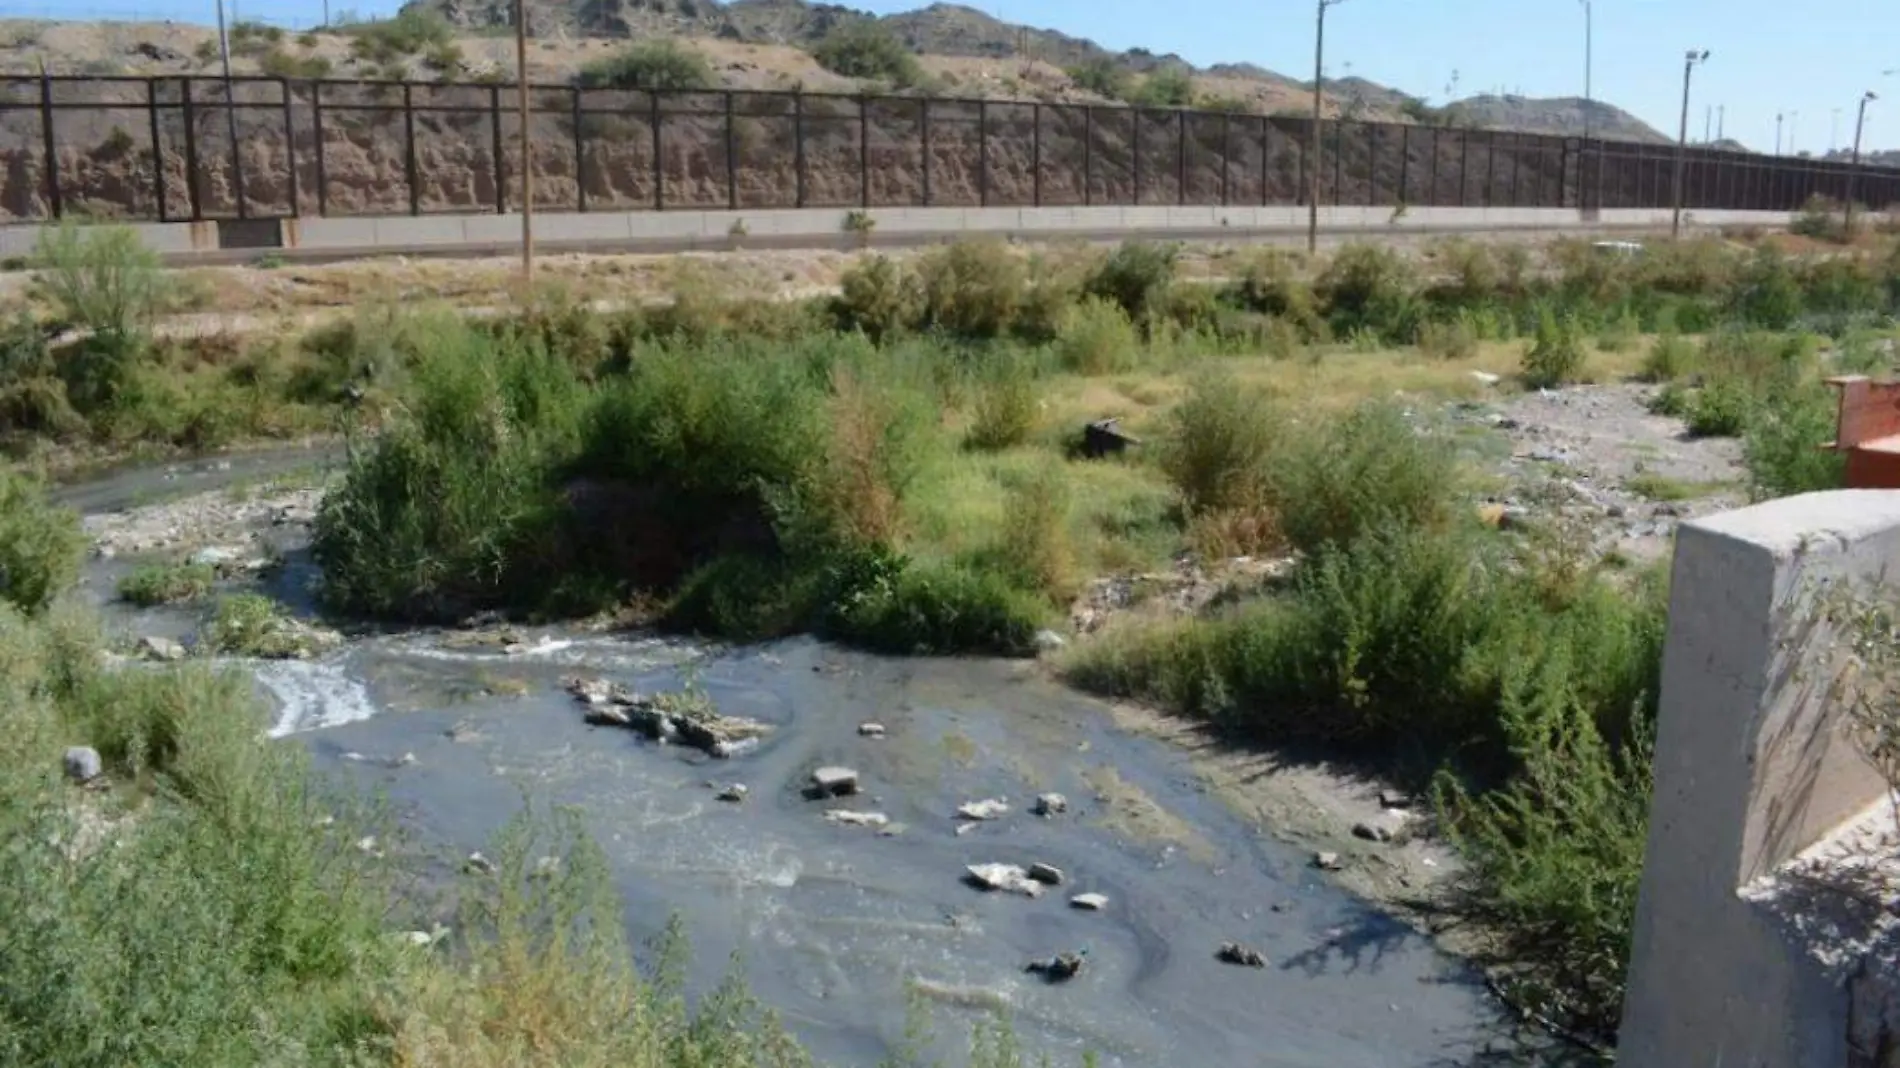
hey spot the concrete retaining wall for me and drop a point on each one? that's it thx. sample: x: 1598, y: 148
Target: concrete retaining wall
x: 671, y: 231
x: 1752, y: 768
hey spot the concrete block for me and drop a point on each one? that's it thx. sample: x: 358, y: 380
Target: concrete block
x: 174, y: 238
x: 1063, y: 218
x: 800, y: 222
x: 330, y: 233
x: 421, y: 231
x: 1145, y: 218
x: 992, y: 220
x: 1751, y: 768
x: 578, y: 226
x: 1193, y: 218
x: 667, y: 225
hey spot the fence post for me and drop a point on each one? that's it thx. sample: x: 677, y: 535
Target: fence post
x: 1306, y: 186
x: 983, y: 153
x: 1180, y: 156
x: 1405, y: 161
x: 659, y: 163
x: 494, y: 125
x: 409, y: 151
x: 290, y: 148
x: 580, y: 155
x: 237, y: 160
x: 864, y: 151
x: 1464, y: 164
x: 732, y: 160
x: 1431, y: 194
x: 798, y: 149
x: 1339, y: 153
x: 1517, y: 165
x: 1134, y: 154
x: 1563, y: 175
x: 316, y: 124
x: 1266, y: 127
x: 1226, y: 152
x: 923, y: 123
x: 52, y: 156
x: 1035, y: 154
x: 158, y: 152
x: 1088, y: 155
x: 191, y: 153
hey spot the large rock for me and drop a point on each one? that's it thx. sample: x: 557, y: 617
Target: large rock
x: 1105, y: 437
x: 1051, y: 804
x: 857, y: 819
x: 153, y: 647
x: 83, y: 764
x: 986, y: 809
x: 833, y: 781
x: 1007, y: 878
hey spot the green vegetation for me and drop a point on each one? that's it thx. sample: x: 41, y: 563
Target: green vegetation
x: 158, y: 584
x: 1169, y: 87
x: 411, y: 32
x: 864, y: 48
x: 40, y: 546
x: 1104, y: 77
x: 662, y: 63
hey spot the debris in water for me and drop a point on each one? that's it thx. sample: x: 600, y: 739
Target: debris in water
x: 1005, y: 877
x: 1327, y: 861
x: 1047, y: 874
x: 1051, y: 805
x: 734, y: 793
x: 1059, y: 968
x: 857, y: 819
x: 153, y: 647
x: 871, y: 730
x: 476, y: 864
x: 1089, y: 902
x: 1235, y: 953
x: 688, y: 717
x: 987, y: 809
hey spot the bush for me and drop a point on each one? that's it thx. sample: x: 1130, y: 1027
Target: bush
x: 662, y: 63
x: 40, y: 546
x: 971, y: 289
x: 862, y: 48
x: 105, y: 281
x: 1556, y: 357
x: 1169, y: 87
x: 1096, y: 338
x: 1821, y: 218
x: 1337, y: 479
x: 1137, y: 276
x: 1720, y: 409
x: 878, y: 297
x: 1768, y: 295
x: 167, y: 584
x: 1671, y: 357
x: 1269, y: 283
x: 1218, y: 443
x: 1036, y: 547
x: 1007, y: 408
x: 386, y: 42
x: 1369, y: 287
x: 902, y: 607
x: 1454, y: 340
x: 1102, y: 76
x: 1779, y: 444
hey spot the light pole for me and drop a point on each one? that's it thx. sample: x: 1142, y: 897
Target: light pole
x: 1589, y: 40
x: 527, y: 141
x: 1721, y: 122
x: 1312, y: 148
x: 1778, y: 117
x: 1853, y: 168
x: 1682, y: 138
x: 1794, y: 124
x: 230, y: 99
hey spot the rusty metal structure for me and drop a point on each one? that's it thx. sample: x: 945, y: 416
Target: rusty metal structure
x: 1868, y: 432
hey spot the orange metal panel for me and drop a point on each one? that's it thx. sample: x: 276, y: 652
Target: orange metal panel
x: 1868, y: 431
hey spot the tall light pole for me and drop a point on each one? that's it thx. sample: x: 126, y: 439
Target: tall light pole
x: 1721, y: 122
x: 527, y: 142
x: 1853, y: 168
x: 1589, y: 40
x: 230, y: 99
x: 1779, y: 115
x: 1794, y: 125
x: 1682, y: 138
x: 1312, y: 148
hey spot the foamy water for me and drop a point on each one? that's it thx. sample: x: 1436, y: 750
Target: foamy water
x: 312, y: 694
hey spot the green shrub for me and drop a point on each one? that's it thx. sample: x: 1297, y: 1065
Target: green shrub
x: 1620, y: 333
x: 862, y: 48
x: 1368, y: 286
x: 1137, y: 275
x: 1821, y: 218
x: 1168, y: 87
x: 661, y: 63
x: 1670, y: 357
x: 1218, y: 444
x: 1673, y: 400
x: 1447, y: 341
x: 1269, y: 283
x: 277, y: 63
x: 1007, y: 408
x: 1721, y: 409
x: 1780, y: 444
x: 878, y: 297
x: 167, y: 584
x: 411, y: 32
x: 1036, y: 546
x: 971, y: 289
x: 1102, y: 76
x: 1336, y: 479
x: 105, y: 281
x: 1096, y: 338
x: 1556, y: 357
x: 40, y: 546
x: 890, y: 604
x: 1768, y: 295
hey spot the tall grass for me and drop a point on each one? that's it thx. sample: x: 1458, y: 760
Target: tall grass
x: 40, y: 545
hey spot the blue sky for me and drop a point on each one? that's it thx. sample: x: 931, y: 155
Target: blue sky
x: 1768, y: 56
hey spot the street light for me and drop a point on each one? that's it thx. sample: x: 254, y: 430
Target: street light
x: 1588, y: 37
x: 1778, y: 117
x: 1689, y: 62
x: 1794, y: 120
x: 1853, y: 168
x: 1312, y: 149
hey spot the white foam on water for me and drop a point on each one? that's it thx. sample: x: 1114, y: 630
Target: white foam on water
x: 312, y: 694
x: 596, y: 653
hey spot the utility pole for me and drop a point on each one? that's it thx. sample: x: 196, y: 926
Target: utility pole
x: 1589, y: 105
x: 1853, y: 168
x: 1682, y: 138
x: 1708, y: 122
x: 230, y: 100
x: 1312, y: 149
x: 1794, y: 124
x: 1778, y: 117
x: 527, y: 142
x: 1721, y: 122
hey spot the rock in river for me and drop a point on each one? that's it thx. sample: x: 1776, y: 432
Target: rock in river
x: 1051, y: 804
x: 857, y: 819
x: 1235, y: 953
x: 871, y: 730
x: 152, y: 647
x: 1047, y: 874
x: 834, y: 781
x: 986, y: 809
x: 1089, y: 902
x: 1005, y: 877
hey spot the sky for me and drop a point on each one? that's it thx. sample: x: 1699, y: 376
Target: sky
x: 1767, y: 56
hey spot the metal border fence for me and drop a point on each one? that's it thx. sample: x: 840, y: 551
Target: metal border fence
x: 260, y: 148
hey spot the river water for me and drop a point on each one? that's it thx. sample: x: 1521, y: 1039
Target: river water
x: 833, y: 924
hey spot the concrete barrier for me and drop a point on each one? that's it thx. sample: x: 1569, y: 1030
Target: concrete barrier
x: 1736, y: 961
x: 607, y: 231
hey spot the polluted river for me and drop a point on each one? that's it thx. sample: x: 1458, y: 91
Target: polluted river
x: 838, y: 922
